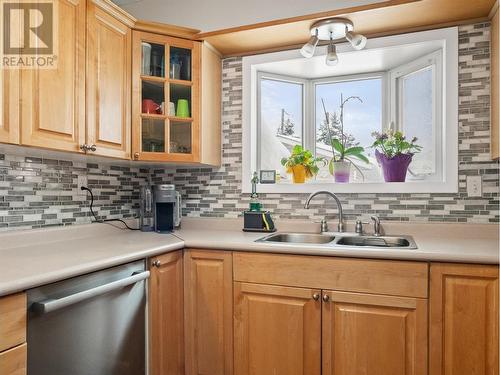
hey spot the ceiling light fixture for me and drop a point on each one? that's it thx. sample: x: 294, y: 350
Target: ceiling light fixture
x: 308, y: 49
x: 332, y: 30
x: 331, y: 56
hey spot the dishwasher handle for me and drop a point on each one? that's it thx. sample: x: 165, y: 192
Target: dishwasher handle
x: 50, y: 305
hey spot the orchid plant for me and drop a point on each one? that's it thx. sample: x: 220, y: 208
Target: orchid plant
x: 340, y: 149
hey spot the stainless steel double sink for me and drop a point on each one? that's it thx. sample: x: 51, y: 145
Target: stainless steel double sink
x: 341, y: 240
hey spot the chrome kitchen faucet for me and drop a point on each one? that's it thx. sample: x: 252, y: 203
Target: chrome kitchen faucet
x: 324, y: 223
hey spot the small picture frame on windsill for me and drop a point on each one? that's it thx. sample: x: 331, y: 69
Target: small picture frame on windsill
x: 268, y: 176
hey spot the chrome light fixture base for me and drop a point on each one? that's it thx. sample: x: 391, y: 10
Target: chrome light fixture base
x: 331, y: 28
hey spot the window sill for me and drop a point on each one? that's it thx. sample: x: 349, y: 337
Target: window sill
x: 364, y: 188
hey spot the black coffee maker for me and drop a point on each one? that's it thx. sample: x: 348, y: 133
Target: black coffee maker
x: 167, y: 208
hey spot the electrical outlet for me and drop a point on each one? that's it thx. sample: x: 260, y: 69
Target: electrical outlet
x: 81, y: 181
x: 474, y: 186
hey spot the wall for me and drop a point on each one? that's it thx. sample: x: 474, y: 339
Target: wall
x: 38, y: 192
x: 216, y: 192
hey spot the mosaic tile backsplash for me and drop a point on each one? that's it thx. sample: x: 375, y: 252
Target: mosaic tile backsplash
x: 216, y: 192
x: 38, y: 192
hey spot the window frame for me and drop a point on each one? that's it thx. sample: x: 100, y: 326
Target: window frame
x: 447, y: 39
x: 280, y: 78
x: 434, y: 60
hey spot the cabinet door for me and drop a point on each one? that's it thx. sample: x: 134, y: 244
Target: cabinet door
x: 108, y: 83
x: 53, y: 105
x: 373, y: 334
x: 165, y: 98
x: 14, y: 361
x: 277, y: 330
x: 463, y: 320
x: 166, y: 315
x: 208, y: 312
x: 9, y: 105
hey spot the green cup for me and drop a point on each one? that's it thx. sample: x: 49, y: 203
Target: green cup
x: 182, y: 108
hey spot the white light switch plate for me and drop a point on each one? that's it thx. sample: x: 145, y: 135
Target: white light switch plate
x: 474, y: 186
x: 82, y: 181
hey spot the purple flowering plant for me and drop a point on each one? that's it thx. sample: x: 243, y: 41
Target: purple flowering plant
x: 392, y: 143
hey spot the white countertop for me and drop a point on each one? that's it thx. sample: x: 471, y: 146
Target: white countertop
x: 38, y: 257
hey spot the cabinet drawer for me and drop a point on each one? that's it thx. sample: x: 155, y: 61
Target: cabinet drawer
x: 398, y: 278
x: 12, y: 321
x: 13, y: 361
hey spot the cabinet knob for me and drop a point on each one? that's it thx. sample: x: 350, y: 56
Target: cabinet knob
x: 92, y: 148
x: 326, y: 298
x: 316, y: 296
x: 84, y: 147
x: 156, y: 263
x: 136, y: 156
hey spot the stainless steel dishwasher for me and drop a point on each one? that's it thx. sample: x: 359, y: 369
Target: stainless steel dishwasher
x: 93, y: 324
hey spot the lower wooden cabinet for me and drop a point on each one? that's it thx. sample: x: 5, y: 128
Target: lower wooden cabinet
x: 373, y: 334
x: 463, y: 320
x: 14, y: 361
x: 208, y: 299
x: 286, y: 325
x: 13, y: 352
x: 277, y: 330
x: 166, y: 315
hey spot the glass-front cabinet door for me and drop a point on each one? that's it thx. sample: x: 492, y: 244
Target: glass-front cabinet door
x: 165, y: 107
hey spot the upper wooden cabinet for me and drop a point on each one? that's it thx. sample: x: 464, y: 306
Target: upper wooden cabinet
x: 170, y: 122
x: 166, y: 306
x: 9, y: 105
x: 53, y: 100
x: 109, y: 49
x: 495, y: 86
x: 208, y: 301
x: 463, y: 320
x: 277, y: 330
x: 373, y: 334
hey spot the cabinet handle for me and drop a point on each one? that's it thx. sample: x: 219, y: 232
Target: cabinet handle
x: 326, y: 298
x: 136, y: 156
x: 156, y: 263
x: 85, y: 148
x: 316, y: 296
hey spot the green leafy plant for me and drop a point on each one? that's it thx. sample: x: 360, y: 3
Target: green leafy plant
x: 392, y: 143
x: 300, y: 156
x: 340, y: 145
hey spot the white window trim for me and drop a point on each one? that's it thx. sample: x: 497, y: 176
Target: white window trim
x: 449, y: 184
x: 434, y: 59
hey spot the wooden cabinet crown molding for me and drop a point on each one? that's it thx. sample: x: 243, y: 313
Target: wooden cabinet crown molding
x: 117, y: 12
x: 165, y: 29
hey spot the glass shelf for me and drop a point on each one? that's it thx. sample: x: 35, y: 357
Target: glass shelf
x: 180, y: 137
x: 180, y: 95
x: 153, y: 135
x: 153, y: 98
x: 180, y: 64
x: 153, y: 59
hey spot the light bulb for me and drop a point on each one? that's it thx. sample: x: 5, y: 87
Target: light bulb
x: 331, y: 56
x: 308, y: 49
x: 357, y: 41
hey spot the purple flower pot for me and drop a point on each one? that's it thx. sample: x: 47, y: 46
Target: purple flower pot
x: 394, y: 168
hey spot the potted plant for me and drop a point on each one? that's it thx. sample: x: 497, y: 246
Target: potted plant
x: 301, y: 164
x: 340, y: 164
x: 343, y: 147
x: 394, y: 154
